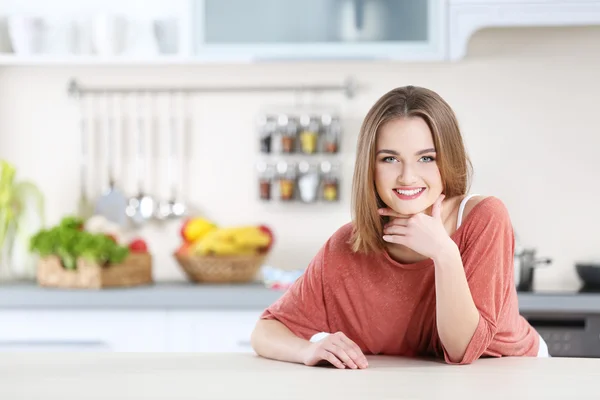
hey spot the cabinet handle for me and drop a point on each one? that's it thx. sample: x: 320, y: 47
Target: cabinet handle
x: 244, y: 343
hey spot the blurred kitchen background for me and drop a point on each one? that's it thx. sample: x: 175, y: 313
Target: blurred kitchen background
x: 236, y: 78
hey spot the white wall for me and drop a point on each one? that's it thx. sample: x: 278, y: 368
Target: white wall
x: 528, y: 112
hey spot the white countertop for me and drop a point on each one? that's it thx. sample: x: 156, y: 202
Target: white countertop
x: 254, y: 296
x: 246, y: 376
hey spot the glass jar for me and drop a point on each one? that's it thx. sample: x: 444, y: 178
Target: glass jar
x: 331, y: 133
x: 308, y: 182
x: 287, y: 180
x: 288, y: 128
x: 309, y: 134
x: 266, y: 130
x: 330, y: 182
x: 265, y: 180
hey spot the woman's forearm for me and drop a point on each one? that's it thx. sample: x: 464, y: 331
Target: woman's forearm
x: 272, y: 339
x: 456, y: 313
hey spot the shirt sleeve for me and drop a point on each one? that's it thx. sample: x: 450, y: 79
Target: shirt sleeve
x: 488, y: 260
x: 302, y: 307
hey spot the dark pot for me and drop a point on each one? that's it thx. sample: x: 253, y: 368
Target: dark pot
x: 589, y: 273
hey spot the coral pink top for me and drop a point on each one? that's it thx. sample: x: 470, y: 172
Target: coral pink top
x: 389, y: 308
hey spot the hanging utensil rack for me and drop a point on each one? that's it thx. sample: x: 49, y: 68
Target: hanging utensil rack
x: 349, y: 88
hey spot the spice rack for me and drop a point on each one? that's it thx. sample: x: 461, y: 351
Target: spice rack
x: 298, y: 157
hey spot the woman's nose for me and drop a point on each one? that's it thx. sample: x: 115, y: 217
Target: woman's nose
x: 406, y: 176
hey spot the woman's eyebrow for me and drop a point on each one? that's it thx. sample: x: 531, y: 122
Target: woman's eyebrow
x: 431, y: 150
x: 395, y: 153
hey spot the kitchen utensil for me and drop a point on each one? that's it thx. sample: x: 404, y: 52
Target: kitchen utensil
x: 589, y: 273
x: 109, y: 33
x: 166, y: 32
x: 113, y: 202
x: 525, y: 265
x: 85, y: 208
x: 363, y: 20
x: 27, y: 34
x: 140, y: 207
x: 172, y: 208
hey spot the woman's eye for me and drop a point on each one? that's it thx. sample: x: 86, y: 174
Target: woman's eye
x: 388, y: 159
x: 427, y: 159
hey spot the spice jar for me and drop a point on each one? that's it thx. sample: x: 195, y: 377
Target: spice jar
x: 266, y: 129
x: 330, y: 187
x: 308, y: 182
x: 265, y: 179
x: 331, y: 133
x: 309, y: 134
x: 287, y: 180
x: 288, y: 129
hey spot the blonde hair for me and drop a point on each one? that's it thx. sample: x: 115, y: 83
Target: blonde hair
x: 452, y: 160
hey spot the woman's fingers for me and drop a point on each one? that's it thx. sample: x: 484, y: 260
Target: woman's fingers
x: 388, y: 212
x: 338, y: 350
x: 355, y: 352
x: 328, y: 356
x: 395, y: 230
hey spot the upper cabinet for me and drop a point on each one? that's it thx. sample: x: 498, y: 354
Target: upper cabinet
x: 319, y: 29
x: 465, y: 17
x: 99, y: 32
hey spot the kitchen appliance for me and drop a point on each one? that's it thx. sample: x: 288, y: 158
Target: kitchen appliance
x: 568, y: 334
x: 525, y: 265
x: 589, y: 273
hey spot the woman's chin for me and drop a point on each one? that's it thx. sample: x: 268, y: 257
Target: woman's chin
x: 409, y: 209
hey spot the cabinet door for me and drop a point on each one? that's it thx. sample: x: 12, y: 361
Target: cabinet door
x: 320, y: 29
x: 211, y: 331
x: 40, y: 330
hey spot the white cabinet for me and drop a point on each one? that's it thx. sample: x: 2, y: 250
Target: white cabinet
x: 465, y: 17
x: 319, y: 29
x: 211, y: 331
x: 94, y: 31
x: 129, y: 331
x: 81, y: 330
x: 259, y: 30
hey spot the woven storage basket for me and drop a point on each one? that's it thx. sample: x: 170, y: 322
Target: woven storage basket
x: 220, y: 269
x: 135, y: 270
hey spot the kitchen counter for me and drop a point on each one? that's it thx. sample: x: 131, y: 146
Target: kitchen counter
x: 229, y: 376
x: 184, y: 295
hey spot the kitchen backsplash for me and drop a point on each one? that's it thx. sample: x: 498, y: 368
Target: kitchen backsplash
x: 528, y: 112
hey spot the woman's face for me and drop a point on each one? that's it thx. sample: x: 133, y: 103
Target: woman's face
x: 407, y: 177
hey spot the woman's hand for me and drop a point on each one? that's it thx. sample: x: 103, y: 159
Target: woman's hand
x: 422, y: 233
x: 337, y: 349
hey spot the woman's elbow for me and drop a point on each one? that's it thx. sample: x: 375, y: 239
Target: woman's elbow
x: 256, y: 335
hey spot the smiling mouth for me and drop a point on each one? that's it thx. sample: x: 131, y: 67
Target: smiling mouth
x: 409, y: 194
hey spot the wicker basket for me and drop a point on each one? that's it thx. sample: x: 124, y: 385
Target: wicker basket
x: 135, y: 270
x: 220, y: 269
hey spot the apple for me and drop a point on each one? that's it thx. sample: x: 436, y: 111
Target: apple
x: 265, y: 229
x: 183, y: 229
x: 185, y: 248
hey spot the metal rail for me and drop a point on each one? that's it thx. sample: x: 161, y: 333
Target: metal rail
x: 349, y: 88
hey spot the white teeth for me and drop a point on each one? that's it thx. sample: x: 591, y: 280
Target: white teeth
x: 409, y: 192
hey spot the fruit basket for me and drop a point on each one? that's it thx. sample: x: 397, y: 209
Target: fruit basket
x: 213, y: 254
x: 220, y: 269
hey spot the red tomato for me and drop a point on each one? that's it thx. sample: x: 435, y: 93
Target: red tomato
x: 138, y: 246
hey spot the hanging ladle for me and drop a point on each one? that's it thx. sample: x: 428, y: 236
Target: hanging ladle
x: 140, y: 207
x: 173, y: 208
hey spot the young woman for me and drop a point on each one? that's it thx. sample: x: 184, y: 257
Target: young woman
x: 423, y: 270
